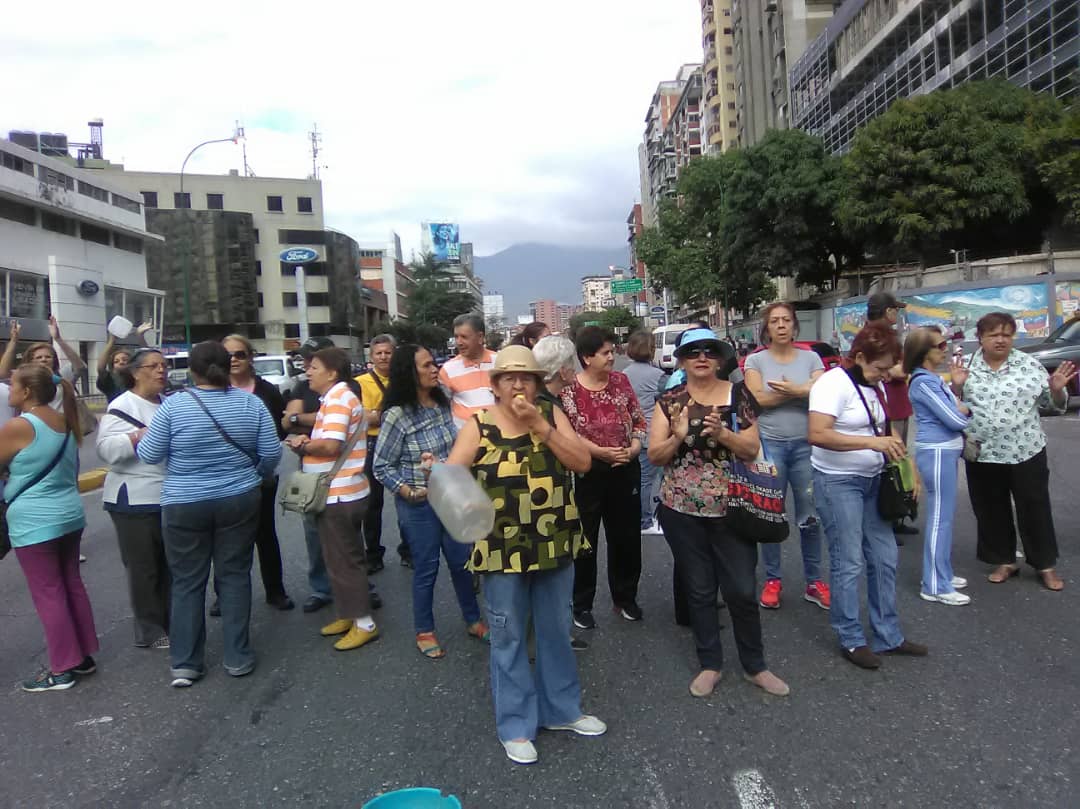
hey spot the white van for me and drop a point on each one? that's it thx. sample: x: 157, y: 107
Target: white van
x: 664, y: 344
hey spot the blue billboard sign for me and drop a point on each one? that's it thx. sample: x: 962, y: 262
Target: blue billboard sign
x: 445, y: 242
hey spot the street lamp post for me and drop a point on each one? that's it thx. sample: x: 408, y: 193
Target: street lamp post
x: 187, y: 258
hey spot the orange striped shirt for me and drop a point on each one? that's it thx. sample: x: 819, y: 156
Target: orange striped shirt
x: 469, y: 385
x: 340, y: 416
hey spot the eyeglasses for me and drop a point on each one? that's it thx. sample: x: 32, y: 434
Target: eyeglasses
x: 154, y: 366
x: 238, y: 355
x: 942, y: 345
x: 708, y: 353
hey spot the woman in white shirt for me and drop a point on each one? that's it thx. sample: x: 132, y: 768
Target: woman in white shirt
x: 851, y: 441
x: 132, y: 496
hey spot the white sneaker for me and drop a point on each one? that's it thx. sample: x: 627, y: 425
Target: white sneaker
x: 952, y: 599
x: 520, y: 752
x: 653, y: 530
x: 585, y: 726
x: 959, y: 582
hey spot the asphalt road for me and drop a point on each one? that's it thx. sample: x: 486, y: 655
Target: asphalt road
x: 987, y: 720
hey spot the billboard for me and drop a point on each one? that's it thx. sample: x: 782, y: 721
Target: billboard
x: 443, y: 239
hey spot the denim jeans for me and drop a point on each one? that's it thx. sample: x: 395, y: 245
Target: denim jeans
x: 427, y: 537
x: 938, y: 469
x: 792, y: 459
x: 847, y: 505
x: 523, y: 701
x: 221, y: 531
x: 318, y: 580
x: 650, y: 475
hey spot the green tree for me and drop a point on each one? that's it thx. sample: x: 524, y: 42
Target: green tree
x: 580, y: 319
x: 1058, y: 153
x: 495, y: 340
x: 619, y: 317
x: 426, y: 267
x: 401, y: 329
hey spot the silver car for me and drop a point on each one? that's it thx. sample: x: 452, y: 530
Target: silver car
x: 278, y: 369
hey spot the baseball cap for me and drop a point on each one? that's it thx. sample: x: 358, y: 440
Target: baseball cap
x: 880, y: 301
x: 313, y: 344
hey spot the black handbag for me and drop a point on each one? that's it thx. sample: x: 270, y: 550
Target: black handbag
x: 896, y: 492
x: 5, y: 537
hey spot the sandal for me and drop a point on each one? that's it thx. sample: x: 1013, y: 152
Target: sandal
x: 480, y: 631
x: 429, y: 646
x: 1002, y: 573
x: 1051, y: 580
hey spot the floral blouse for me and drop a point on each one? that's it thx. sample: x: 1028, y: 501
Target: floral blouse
x: 695, y: 481
x: 1005, y: 407
x: 610, y: 417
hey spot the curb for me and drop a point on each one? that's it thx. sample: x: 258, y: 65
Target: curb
x: 94, y: 479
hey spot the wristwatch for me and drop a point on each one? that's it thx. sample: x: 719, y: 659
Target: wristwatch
x: 294, y: 420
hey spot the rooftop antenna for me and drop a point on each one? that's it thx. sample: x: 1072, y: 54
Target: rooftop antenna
x: 248, y: 171
x: 316, y: 143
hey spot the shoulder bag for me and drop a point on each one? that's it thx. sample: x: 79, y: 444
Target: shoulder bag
x: 251, y: 456
x: 5, y: 537
x: 896, y: 493
x: 120, y: 414
x: 972, y: 445
x: 755, y: 507
x: 306, y: 492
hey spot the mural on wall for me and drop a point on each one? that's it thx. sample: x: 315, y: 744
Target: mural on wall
x: 1068, y: 300
x: 958, y: 311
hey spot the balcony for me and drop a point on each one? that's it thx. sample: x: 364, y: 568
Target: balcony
x: 710, y: 55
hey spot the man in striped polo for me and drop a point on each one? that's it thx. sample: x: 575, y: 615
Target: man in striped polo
x: 466, y: 377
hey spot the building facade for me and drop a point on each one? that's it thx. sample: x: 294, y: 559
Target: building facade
x: 73, y: 244
x: 494, y: 308
x: 660, y: 164
x: 545, y: 311
x: 770, y: 36
x: 596, y: 293
x: 382, y: 269
x: 718, y: 44
x: 872, y: 53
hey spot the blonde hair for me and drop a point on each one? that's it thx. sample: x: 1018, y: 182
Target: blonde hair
x: 239, y: 338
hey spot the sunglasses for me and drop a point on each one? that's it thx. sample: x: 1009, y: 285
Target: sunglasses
x: 238, y: 355
x: 942, y: 345
x: 708, y: 353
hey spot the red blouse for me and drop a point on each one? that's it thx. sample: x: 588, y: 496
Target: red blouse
x: 610, y: 417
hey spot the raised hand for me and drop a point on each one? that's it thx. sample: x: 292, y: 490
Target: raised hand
x: 15, y: 329
x: 54, y: 328
x: 144, y: 327
x: 1062, y: 376
x: 958, y: 373
x: 680, y: 421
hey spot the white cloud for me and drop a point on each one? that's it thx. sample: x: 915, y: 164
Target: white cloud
x: 518, y: 120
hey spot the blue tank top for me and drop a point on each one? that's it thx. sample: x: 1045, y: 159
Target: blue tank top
x: 52, y: 507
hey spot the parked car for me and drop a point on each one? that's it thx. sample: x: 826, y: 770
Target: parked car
x: 830, y: 355
x: 278, y: 369
x: 1062, y: 344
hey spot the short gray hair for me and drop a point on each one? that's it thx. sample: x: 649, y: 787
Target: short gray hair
x: 553, y: 353
x: 379, y: 339
x: 472, y: 320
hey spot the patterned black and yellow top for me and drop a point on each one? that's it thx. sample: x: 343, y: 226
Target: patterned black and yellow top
x: 537, y: 526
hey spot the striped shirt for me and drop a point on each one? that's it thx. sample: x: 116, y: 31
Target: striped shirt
x: 340, y: 416
x: 407, y: 433
x: 199, y: 463
x: 469, y: 385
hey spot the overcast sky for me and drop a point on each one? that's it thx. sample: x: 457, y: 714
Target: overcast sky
x: 519, y: 120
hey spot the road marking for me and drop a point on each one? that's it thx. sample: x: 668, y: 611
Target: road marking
x: 752, y: 790
x: 101, y: 720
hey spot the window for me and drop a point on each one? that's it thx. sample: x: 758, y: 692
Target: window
x: 50, y: 177
x: 258, y: 269
x: 17, y: 212
x: 215, y: 202
x: 301, y: 237
x: 29, y: 295
x: 292, y: 331
x: 93, y: 192
x: 274, y: 204
x: 10, y: 161
x: 731, y: 105
x: 129, y: 205
x: 260, y: 300
x: 149, y: 198
x: 289, y: 299
x: 256, y: 231
x: 122, y: 241
x: 92, y: 233
x: 57, y: 223
x: 181, y: 200
x: 318, y: 298
x: 303, y: 204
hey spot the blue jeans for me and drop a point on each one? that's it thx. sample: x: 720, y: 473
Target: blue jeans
x: 792, y: 459
x: 938, y: 470
x: 426, y: 537
x: 649, y: 477
x: 221, y: 531
x: 847, y: 505
x: 553, y: 697
x: 318, y: 580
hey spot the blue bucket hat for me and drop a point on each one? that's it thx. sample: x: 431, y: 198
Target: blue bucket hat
x: 692, y: 337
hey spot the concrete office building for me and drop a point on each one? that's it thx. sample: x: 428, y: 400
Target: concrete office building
x: 494, y: 309
x: 718, y: 44
x: 872, y: 53
x: 73, y: 244
x: 770, y: 36
x: 660, y: 167
x: 382, y: 269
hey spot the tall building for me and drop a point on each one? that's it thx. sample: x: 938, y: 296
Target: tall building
x: 546, y: 311
x: 769, y: 36
x: 596, y: 293
x: 872, y: 53
x: 74, y: 244
x: 382, y: 268
x: 718, y: 43
x: 494, y: 309
x: 661, y: 162
x: 566, y: 311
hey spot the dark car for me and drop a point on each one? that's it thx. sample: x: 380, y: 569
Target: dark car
x: 1062, y: 344
x: 830, y: 356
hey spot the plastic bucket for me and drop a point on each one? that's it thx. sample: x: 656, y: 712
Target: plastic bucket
x: 414, y: 798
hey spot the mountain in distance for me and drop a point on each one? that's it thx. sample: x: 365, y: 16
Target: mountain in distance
x: 527, y: 272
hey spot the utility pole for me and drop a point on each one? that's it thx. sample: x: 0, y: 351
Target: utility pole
x: 316, y: 144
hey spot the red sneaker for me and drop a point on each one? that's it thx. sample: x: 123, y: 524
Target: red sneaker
x: 817, y: 592
x: 770, y: 594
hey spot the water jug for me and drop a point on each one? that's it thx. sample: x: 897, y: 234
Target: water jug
x: 120, y: 327
x: 461, y: 505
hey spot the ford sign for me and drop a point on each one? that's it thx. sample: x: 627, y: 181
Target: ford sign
x: 298, y: 255
x: 88, y: 288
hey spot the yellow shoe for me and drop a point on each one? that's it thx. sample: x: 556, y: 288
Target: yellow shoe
x: 356, y: 638
x: 339, y: 627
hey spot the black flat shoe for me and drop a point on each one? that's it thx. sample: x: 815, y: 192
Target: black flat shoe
x: 281, y: 602
x: 314, y: 604
x: 375, y: 566
x: 376, y: 600
x: 406, y: 561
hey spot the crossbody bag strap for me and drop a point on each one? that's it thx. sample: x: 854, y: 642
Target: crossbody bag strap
x: 44, y: 473
x: 869, y: 412
x: 120, y: 414
x: 250, y: 455
x: 379, y: 382
x: 340, y: 462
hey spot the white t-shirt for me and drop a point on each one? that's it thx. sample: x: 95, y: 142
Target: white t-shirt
x: 834, y: 395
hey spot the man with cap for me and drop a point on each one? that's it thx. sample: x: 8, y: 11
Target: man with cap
x: 300, y: 414
x: 885, y: 307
